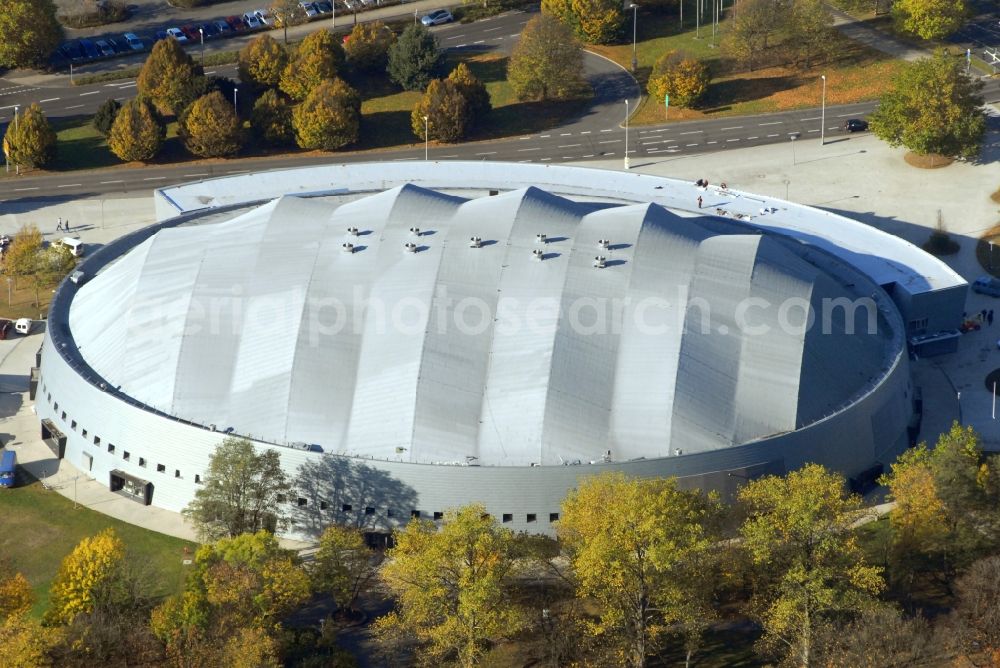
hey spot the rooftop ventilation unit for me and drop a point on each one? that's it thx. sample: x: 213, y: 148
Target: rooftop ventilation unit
x: 475, y: 242
x: 600, y: 262
x: 537, y: 254
x: 415, y: 231
x: 604, y: 243
x: 348, y: 248
x: 353, y: 231
x: 410, y: 247
x: 541, y: 239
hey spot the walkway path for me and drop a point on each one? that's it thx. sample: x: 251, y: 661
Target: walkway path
x: 873, y: 38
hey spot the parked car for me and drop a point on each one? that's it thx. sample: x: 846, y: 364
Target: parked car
x: 177, y: 34
x: 265, y: 17
x: 309, y: 9
x: 323, y: 7
x: 252, y: 21
x: 72, y: 51
x: 210, y: 30
x: 105, y: 48
x: 5, y: 328
x: 236, y: 23
x: 855, y: 125
x: 161, y: 34
x: 987, y: 285
x: 437, y: 17
x: 191, y: 31
x: 133, y: 41
x: 223, y: 28
x: 89, y: 49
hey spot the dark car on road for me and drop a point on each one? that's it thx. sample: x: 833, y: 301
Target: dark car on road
x: 210, y: 30
x: 72, y: 51
x: 323, y: 7
x: 191, y: 32
x: 236, y: 23
x: 854, y: 125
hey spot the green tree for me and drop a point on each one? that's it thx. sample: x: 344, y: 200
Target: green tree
x: 414, y: 58
x: 262, y: 61
x: 169, y: 77
x: 30, y: 141
x: 272, y: 118
x: 209, y: 128
x: 367, y: 47
x: 16, y: 595
x: 753, y: 25
x: 546, y: 62
x: 241, y: 492
x: 446, y: 109
x: 684, y: 79
x: 948, y: 122
x: 288, y: 13
x: 343, y: 566
x: 809, y: 32
x: 29, y: 32
x: 799, y: 537
x: 104, y: 117
x: 317, y: 59
x: 598, y: 21
x: 239, y: 589
x: 95, y: 564
x: 138, y: 132
x: 642, y: 549
x: 329, y: 118
x: 452, y: 586
x: 929, y: 19
x: 474, y: 91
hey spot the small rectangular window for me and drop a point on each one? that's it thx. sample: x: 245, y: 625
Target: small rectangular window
x: 73, y: 425
x: 97, y: 440
x: 84, y: 433
x: 177, y: 473
x: 301, y: 502
x: 347, y: 507
x: 64, y: 416
x: 281, y: 498
x: 49, y: 398
x: 438, y: 515
x: 197, y: 478
x: 56, y: 408
x: 142, y: 461
x: 111, y: 448
x: 508, y: 517
x: 126, y: 455
x: 323, y: 505
x: 531, y: 517
x: 553, y: 517
x: 371, y: 511
x: 388, y: 512
x: 415, y: 514
x: 161, y: 468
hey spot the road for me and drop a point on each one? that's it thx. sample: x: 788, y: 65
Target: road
x: 595, y: 135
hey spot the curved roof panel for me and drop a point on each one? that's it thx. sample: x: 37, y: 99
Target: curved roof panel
x: 453, y: 332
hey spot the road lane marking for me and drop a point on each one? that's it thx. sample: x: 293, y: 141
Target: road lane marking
x: 609, y: 141
x: 692, y: 132
x: 51, y: 99
x: 749, y: 138
x: 608, y: 130
x: 93, y: 92
x: 772, y: 123
x: 812, y: 130
x: 692, y: 144
x: 75, y: 106
x: 544, y: 136
x: 70, y: 185
x: 522, y: 150
x: 488, y: 153
x: 199, y: 174
x: 479, y: 41
x: 711, y: 142
x: 585, y: 132
x: 570, y: 146
x: 589, y: 155
x: 774, y: 135
x: 17, y: 190
x: 154, y: 178
x: 104, y: 183
x: 735, y: 127
x: 814, y: 118
x: 728, y: 140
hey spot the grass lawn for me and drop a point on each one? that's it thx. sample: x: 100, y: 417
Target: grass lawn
x: 22, y: 300
x: 39, y: 527
x: 857, y: 74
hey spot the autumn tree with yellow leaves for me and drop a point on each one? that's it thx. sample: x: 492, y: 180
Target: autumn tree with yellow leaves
x: 262, y: 61
x: 31, y: 141
x: 452, y: 586
x: 210, y: 128
x: 684, y: 79
x: 137, y: 133
x: 330, y: 118
x: 642, y: 549
x: 799, y: 537
x: 169, y: 78
x: 93, y: 566
x: 593, y: 21
x: 367, y: 47
x: 448, y: 117
x: 317, y: 59
x: 271, y: 118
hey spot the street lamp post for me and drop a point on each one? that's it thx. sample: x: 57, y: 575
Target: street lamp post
x: 626, y: 134
x: 17, y: 167
x: 236, y: 107
x: 793, y: 138
x: 427, y: 137
x: 991, y: 255
x: 201, y: 31
x: 635, y: 16
x: 334, y: 15
x: 822, y: 115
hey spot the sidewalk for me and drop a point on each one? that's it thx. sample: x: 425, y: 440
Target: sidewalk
x: 873, y: 38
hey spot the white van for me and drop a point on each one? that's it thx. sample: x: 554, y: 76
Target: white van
x: 74, y: 245
x: 23, y: 325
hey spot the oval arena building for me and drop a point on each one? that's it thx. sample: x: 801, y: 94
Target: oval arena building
x: 412, y: 337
